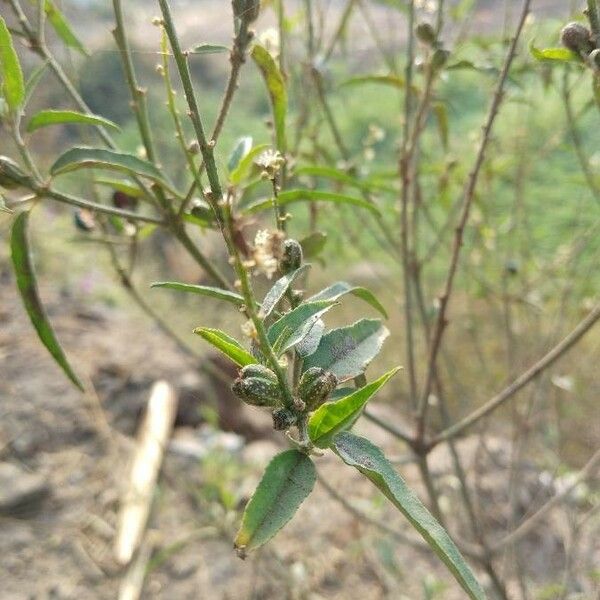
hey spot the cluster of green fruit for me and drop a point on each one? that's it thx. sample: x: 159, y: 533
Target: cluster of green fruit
x: 257, y: 385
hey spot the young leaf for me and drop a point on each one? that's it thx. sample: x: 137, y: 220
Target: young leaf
x: 208, y: 49
x: 347, y: 351
x: 242, y: 147
x: 391, y: 80
x: 11, y: 75
x: 203, y: 290
x: 313, y: 244
x: 341, y: 288
x: 360, y: 453
x: 120, y: 185
x: 294, y: 326
x: 553, y: 54
x: 286, y: 483
x: 241, y: 171
x: 342, y: 177
x: 27, y: 284
x: 280, y: 287
x: 332, y: 417
x: 311, y: 342
x: 227, y: 345
x: 62, y: 27
x: 98, y: 158
x: 292, y: 196
x: 277, y: 92
x: 56, y: 117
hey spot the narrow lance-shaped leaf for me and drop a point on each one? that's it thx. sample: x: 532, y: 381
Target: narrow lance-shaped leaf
x: 120, y: 185
x: 347, y: 351
x: 360, y: 453
x: 58, y: 117
x: 277, y: 92
x: 13, y: 86
x: 286, y: 483
x: 83, y: 157
x: 229, y: 346
x: 280, y: 287
x: 26, y: 282
x: 203, y: 290
x: 292, y: 196
x: 240, y: 172
x: 241, y: 149
x: 333, y: 417
x: 62, y: 27
x: 342, y: 177
x: 341, y: 288
x: 294, y: 326
x: 208, y: 49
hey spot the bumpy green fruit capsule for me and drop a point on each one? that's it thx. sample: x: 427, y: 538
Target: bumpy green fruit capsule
x: 11, y: 174
x: 425, y: 33
x: 291, y: 256
x: 283, y: 419
x: 257, y: 391
x: 248, y: 10
x: 315, y: 386
x: 576, y: 37
x: 258, y: 371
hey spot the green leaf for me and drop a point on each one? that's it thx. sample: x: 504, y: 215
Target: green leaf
x: 33, y: 80
x: 332, y: 417
x: 341, y: 288
x: 13, y: 86
x: 62, y: 27
x: 360, y: 453
x: 313, y: 244
x: 203, y: 290
x: 280, y: 287
x: 295, y: 325
x: 120, y: 185
x: 277, y: 92
x: 57, y: 117
x: 390, y: 80
x: 347, y: 351
x: 292, y: 196
x: 208, y: 49
x: 241, y: 149
x: 311, y: 342
x: 342, y: 177
x: 227, y: 345
x: 553, y: 54
x: 286, y: 483
x: 241, y: 171
x: 27, y: 284
x: 98, y: 158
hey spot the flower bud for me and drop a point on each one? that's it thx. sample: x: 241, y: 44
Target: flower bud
x: 291, y: 256
x: 257, y: 391
x: 315, y: 386
x: 11, y: 174
x: 258, y: 371
x: 425, y: 33
x: 576, y: 37
x: 283, y: 419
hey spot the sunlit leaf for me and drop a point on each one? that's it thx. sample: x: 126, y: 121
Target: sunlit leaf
x: 62, y: 27
x: 341, y: 288
x: 277, y: 92
x: 279, y: 288
x: 99, y: 158
x: 294, y: 326
x: 332, y: 417
x: 27, y: 284
x: 291, y: 196
x: 229, y: 346
x: 59, y: 117
x: 553, y: 54
x: 13, y: 86
x: 202, y: 290
x: 360, y: 453
x: 347, y: 351
x: 240, y: 173
x: 286, y: 483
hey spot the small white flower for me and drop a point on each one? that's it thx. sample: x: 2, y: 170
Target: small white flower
x: 267, y: 245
